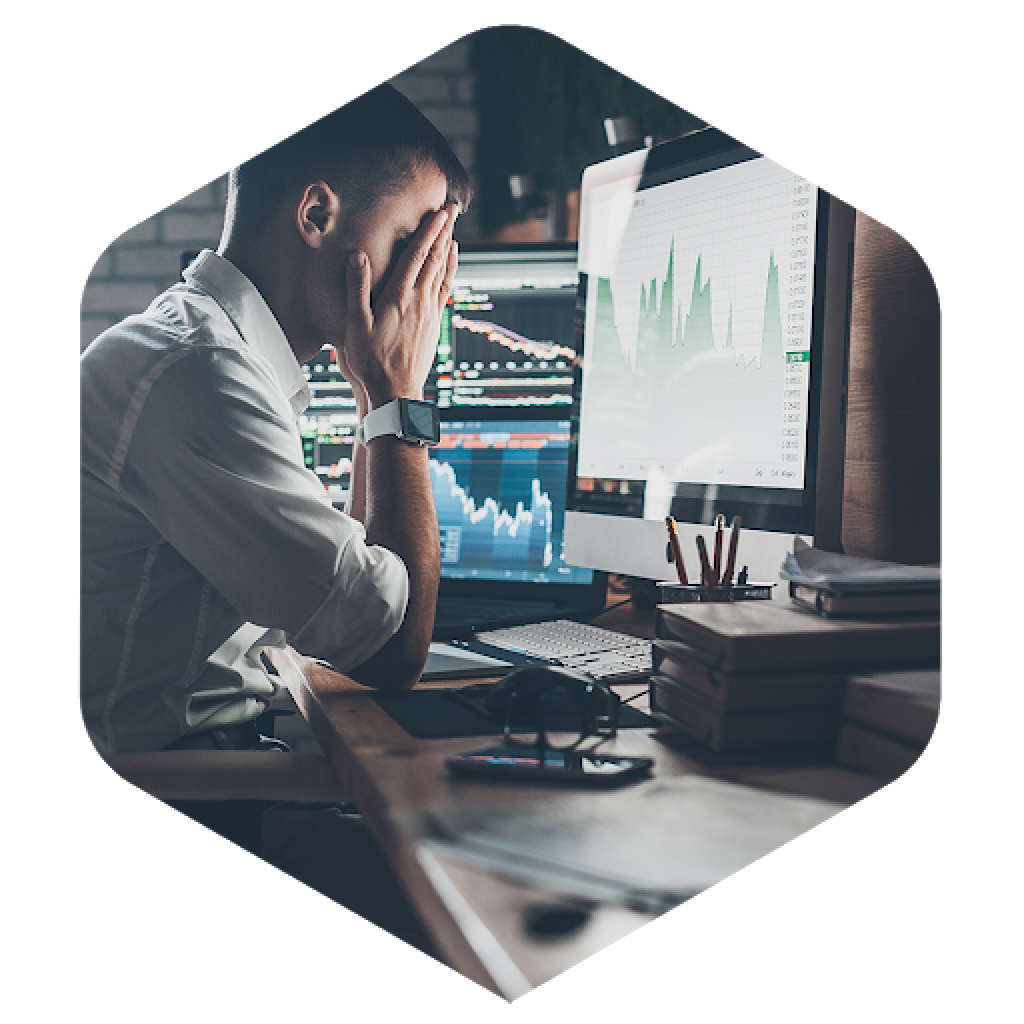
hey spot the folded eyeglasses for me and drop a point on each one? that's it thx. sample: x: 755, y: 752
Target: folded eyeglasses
x: 561, y: 714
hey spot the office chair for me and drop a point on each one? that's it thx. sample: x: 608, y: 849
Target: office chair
x: 228, y: 790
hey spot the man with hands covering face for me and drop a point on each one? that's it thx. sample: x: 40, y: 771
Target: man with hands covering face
x: 384, y: 327
x: 204, y: 537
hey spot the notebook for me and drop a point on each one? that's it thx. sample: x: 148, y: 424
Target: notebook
x: 499, y: 480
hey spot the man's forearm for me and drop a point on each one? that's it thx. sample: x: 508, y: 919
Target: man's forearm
x: 400, y: 516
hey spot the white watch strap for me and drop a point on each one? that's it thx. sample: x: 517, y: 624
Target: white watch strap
x: 386, y: 419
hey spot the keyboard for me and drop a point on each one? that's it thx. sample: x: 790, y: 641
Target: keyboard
x: 607, y: 656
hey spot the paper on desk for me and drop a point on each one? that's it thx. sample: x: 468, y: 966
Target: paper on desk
x: 847, y: 572
x: 652, y: 846
x: 447, y: 662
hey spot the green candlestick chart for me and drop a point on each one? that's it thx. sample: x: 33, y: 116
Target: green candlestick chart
x: 705, y: 392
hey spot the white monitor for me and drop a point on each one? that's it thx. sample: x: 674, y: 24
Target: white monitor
x: 713, y: 322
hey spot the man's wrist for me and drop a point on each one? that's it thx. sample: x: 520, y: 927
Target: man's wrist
x: 359, y: 394
x: 411, y: 420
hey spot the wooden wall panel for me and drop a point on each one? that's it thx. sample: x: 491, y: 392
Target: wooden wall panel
x: 891, y: 498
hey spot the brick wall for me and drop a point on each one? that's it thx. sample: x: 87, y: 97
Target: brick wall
x: 147, y: 259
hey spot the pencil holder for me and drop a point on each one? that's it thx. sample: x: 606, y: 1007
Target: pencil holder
x: 676, y: 593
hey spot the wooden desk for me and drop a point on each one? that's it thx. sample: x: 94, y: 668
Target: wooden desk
x: 477, y: 919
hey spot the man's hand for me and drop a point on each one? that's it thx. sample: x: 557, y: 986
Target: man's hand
x: 389, y: 350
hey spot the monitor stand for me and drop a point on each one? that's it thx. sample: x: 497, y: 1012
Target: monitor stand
x: 636, y: 547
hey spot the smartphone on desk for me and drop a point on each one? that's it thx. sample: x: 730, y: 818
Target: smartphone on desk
x: 566, y: 766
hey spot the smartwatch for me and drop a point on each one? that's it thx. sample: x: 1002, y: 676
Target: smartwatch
x: 410, y: 421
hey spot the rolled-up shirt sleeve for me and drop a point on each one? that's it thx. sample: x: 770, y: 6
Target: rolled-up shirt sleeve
x: 228, y: 488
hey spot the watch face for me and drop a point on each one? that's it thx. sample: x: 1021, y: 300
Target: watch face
x: 421, y: 421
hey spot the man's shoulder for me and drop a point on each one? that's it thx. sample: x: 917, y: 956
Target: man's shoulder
x: 181, y: 354
x: 179, y: 316
x: 182, y: 325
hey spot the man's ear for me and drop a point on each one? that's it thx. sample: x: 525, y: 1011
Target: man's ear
x: 318, y: 213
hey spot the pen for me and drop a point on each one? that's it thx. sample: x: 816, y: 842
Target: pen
x: 717, y: 564
x: 705, y: 566
x: 734, y: 543
x: 677, y: 554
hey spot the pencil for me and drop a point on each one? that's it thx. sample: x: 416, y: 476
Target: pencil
x: 734, y: 543
x: 677, y: 554
x: 705, y: 566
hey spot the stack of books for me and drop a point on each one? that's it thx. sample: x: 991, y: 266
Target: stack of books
x: 887, y: 720
x: 765, y: 676
x: 840, y: 586
x: 887, y: 717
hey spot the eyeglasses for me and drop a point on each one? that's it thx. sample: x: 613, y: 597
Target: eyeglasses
x: 561, y: 717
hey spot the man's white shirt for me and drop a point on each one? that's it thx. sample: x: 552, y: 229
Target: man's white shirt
x: 204, y: 536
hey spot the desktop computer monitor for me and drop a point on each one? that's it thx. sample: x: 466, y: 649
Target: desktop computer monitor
x: 505, y: 351
x: 714, y: 309
x: 504, y: 383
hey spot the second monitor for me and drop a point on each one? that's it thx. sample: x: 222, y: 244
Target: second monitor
x: 506, y: 349
x: 507, y: 337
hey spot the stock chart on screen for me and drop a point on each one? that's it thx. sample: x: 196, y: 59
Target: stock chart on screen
x: 704, y: 318
x: 499, y: 487
x: 328, y: 425
x: 507, y: 338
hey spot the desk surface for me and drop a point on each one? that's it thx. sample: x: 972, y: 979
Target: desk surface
x: 476, y: 917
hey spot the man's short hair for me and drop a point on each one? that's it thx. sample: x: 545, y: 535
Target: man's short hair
x: 366, y: 149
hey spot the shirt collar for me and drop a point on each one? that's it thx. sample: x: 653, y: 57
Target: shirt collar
x: 253, y: 319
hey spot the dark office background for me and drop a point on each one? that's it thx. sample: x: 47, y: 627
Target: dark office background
x: 542, y: 105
